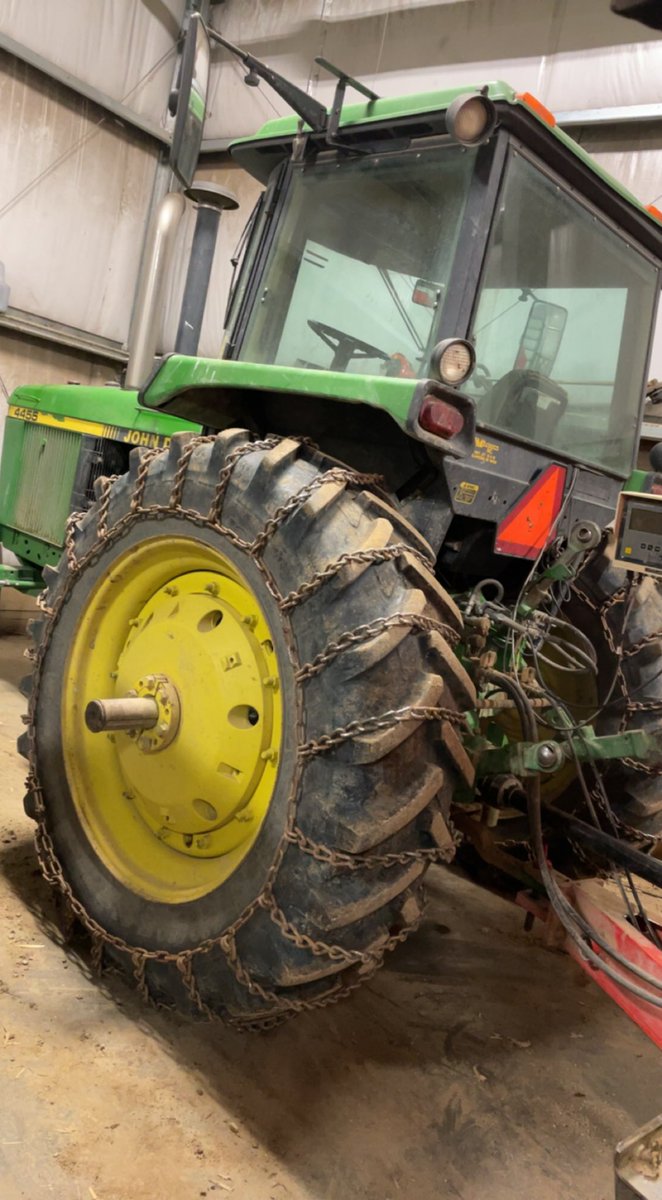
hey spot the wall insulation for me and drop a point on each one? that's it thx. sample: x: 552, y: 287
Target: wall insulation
x: 125, y: 48
x: 74, y: 193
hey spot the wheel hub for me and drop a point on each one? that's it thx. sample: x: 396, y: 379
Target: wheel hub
x: 198, y: 773
x: 196, y: 658
x: 166, y: 697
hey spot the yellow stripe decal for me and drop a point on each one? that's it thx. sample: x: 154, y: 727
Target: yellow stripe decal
x: 115, y: 433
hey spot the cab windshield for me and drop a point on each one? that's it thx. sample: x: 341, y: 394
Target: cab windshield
x: 561, y: 325
x: 361, y: 263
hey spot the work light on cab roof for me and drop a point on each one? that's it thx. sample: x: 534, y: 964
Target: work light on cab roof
x: 471, y: 118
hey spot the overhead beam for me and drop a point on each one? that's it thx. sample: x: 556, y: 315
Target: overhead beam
x: 624, y: 114
x: 18, y: 321
x: 114, y: 108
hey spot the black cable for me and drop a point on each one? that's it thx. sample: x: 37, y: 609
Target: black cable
x: 612, y: 821
x: 571, y: 920
x: 535, y: 564
x: 567, y: 730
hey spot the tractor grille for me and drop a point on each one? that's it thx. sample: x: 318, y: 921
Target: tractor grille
x: 48, y: 470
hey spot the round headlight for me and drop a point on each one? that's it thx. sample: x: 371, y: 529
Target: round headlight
x: 471, y: 119
x: 453, y: 360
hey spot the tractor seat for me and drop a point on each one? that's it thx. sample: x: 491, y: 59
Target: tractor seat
x: 528, y: 404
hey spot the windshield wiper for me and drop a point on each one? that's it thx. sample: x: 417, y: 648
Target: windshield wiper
x: 311, y: 111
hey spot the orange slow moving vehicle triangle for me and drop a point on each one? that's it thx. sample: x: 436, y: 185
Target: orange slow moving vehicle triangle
x: 525, y: 531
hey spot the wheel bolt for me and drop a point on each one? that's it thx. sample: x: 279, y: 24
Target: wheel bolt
x: 549, y: 756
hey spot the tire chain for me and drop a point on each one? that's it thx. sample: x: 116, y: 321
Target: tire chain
x: 366, y: 633
x: 621, y: 596
x: 278, y: 1008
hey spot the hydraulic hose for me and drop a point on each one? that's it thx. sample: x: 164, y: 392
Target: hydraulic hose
x: 575, y: 925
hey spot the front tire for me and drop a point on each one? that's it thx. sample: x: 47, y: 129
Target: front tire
x: 355, y: 776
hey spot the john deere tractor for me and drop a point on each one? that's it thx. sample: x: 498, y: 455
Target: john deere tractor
x: 380, y: 607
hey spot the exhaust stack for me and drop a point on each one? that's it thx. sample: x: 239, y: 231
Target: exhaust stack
x: 145, y: 329
x: 210, y: 199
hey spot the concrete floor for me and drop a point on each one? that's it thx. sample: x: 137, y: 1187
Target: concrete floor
x: 478, y: 1065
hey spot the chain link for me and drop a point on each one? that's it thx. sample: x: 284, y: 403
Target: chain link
x: 363, y: 862
x: 347, y: 733
x: 334, y: 475
x: 278, y: 1008
x: 141, y: 479
x: 73, y: 521
x: 104, y: 505
x: 377, y: 554
x: 365, y: 633
x: 226, y: 474
x: 182, y: 468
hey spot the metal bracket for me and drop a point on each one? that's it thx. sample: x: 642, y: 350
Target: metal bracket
x: 23, y: 579
x: 534, y: 758
x: 344, y: 81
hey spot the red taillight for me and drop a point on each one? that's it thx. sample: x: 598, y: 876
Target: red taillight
x: 440, y: 418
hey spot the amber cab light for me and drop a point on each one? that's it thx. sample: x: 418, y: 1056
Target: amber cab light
x: 537, y: 107
x: 440, y: 418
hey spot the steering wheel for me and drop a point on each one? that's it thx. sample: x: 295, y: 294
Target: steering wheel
x: 481, y: 378
x: 345, y: 346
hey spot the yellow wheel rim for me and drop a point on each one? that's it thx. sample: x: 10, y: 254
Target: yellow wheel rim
x: 173, y: 810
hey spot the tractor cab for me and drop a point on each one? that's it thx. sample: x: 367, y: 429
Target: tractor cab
x: 470, y: 218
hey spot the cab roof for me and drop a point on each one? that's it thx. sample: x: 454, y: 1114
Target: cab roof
x: 259, y: 152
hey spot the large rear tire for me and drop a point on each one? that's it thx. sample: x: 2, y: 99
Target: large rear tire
x: 246, y: 887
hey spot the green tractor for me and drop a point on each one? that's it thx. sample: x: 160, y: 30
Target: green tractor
x: 372, y: 604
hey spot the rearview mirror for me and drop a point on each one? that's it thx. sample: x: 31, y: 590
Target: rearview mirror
x: 541, y: 340
x: 188, y: 102
x: 426, y: 293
